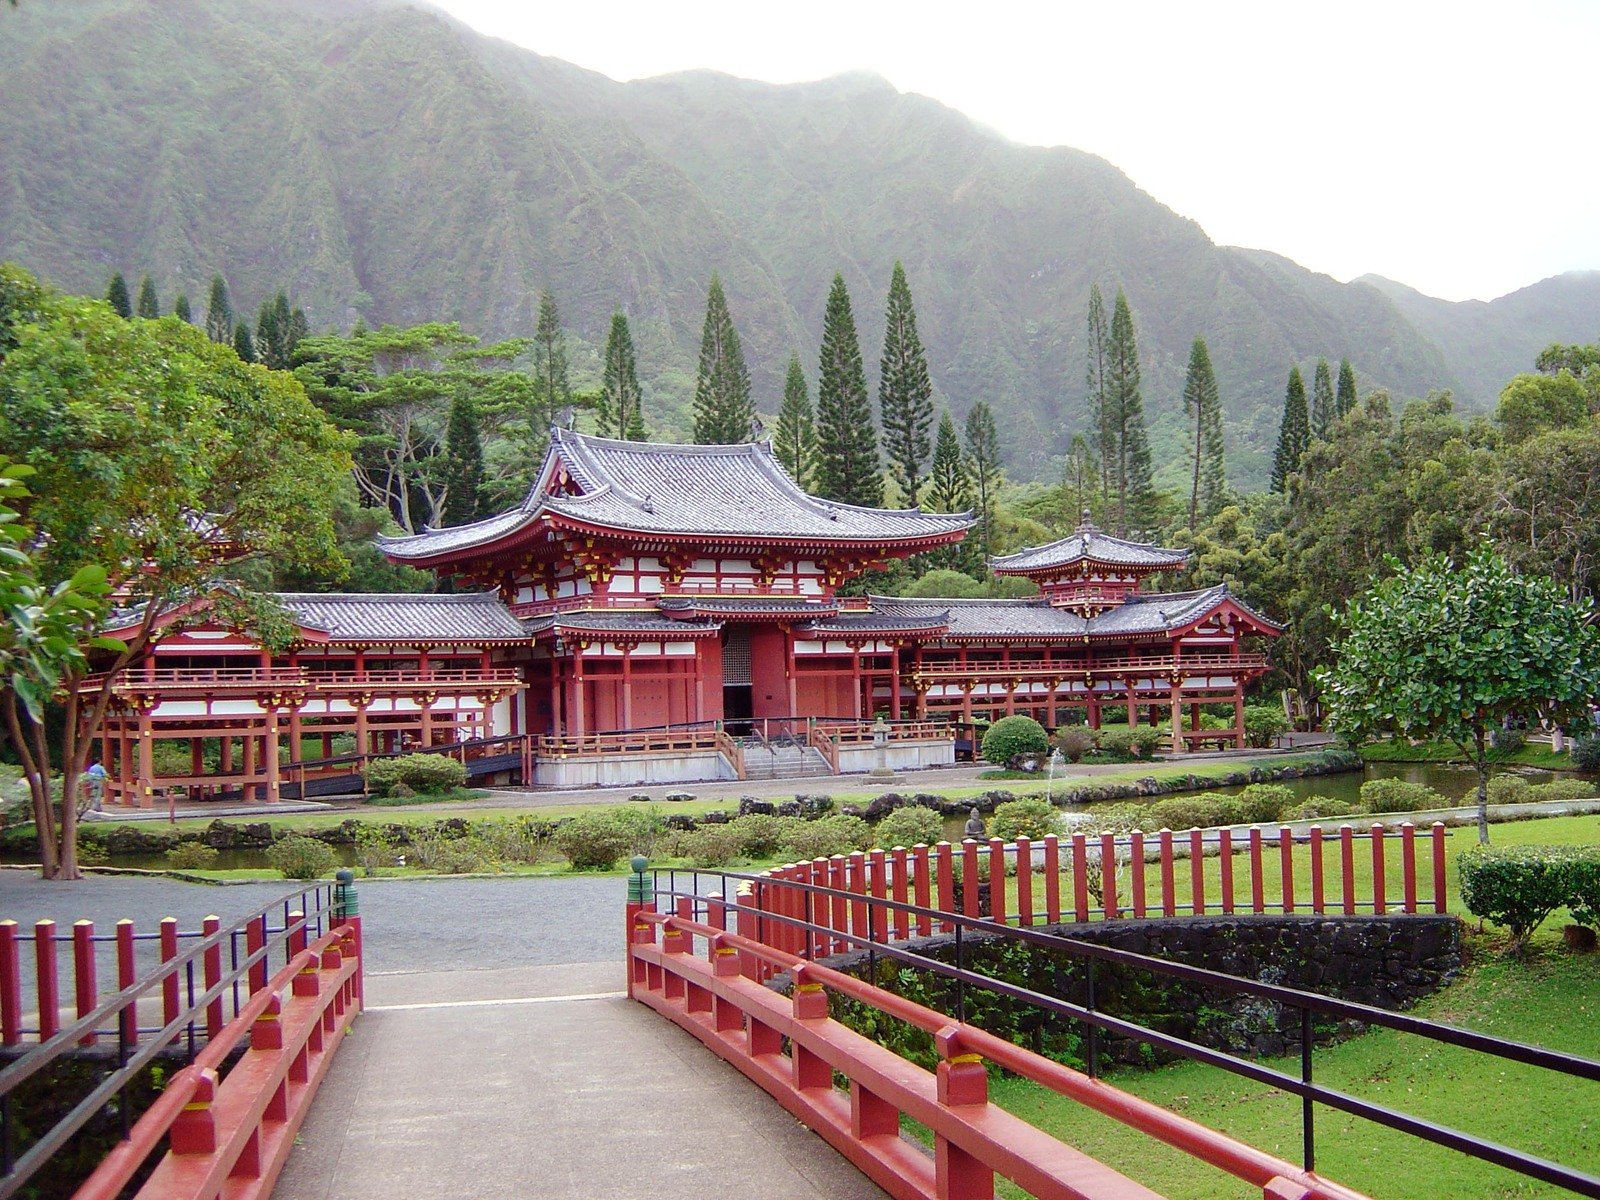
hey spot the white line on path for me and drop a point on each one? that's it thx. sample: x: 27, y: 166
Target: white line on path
x: 377, y: 1008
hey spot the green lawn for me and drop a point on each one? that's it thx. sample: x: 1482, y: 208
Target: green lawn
x: 1540, y: 755
x: 1552, y: 999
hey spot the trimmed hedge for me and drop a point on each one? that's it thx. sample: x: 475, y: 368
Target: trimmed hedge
x: 426, y: 774
x: 825, y: 838
x: 1586, y: 754
x: 1031, y: 819
x: 914, y: 824
x: 1519, y: 886
x: 299, y: 857
x: 593, y: 841
x: 1398, y: 796
x: 1011, y: 737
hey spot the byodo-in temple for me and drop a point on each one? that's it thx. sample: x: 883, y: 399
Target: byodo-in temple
x: 660, y: 613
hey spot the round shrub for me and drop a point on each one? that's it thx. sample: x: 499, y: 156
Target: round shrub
x: 760, y: 834
x: 711, y: 846
x: 1508, y: 741
x: 642, y: 827
x: 376, y: 848
x: 909, y: 826
x: 463, y: 856
x: 1032, y: 819
x: 1586, y: 753
x: 837, y: 834
x: 1321, y: 807
x: 1012, y: 737
x: 593, y: 841
x: 1074, y: 741
x: 1146, y: 740
x: 298, y: 857
x: 1508, y: 789
x: 1263, y: 723
x: 187, y: 856
x: 1398, y: 796
x: 1204, y: 811
x: 1115, y: 742
x: 1560, y: 789
x: 1264, y: 803
x: 1124, y: 817
x: 1518, y: 886
x: 424, y: 774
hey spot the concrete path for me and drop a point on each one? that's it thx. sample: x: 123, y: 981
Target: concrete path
x: 544, y: 1082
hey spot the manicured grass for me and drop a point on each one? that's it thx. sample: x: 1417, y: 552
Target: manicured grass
x: 1552, y: 999
x: 1533, y: 755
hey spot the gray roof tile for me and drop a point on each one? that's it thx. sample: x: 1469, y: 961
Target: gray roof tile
x: 405, y: 617
x: 1088, y: 543
x: 617, y: 622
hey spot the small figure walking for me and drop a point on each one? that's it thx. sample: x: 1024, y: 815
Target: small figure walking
x: 95, y: 776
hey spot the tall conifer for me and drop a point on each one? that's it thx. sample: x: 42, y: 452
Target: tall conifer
x: 1204, y: 407
x: 1324, y: 408
x: 795, y: 442
x: 180, y: 309
x: 905, y: 394
x: 1345, y: 397
x: 552, y: 388
x: 619, y: 410
x: 723, y: 410
x: 949, y: 488
x: 983, y: 466
x: 1294, y: 433
x: 1125, y: 405
x: 1078, y: 484
x: 243, y: 344
x: 463, y: 461
x: 299, y: 327
x: 148, y: 307
x: 117, y: 296
x: 219, y: 312
x: 847, y: 443
x: 1102, y: 435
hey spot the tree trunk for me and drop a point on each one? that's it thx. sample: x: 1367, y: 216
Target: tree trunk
x: 1481, y: 761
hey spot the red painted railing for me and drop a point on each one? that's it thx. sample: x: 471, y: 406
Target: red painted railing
x: 1082, y: 878
x: 1156, y: 665
x: 253, y: 679
x: 718, y: 999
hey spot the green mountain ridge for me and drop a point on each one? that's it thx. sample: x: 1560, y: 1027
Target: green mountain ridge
x: 382, y: 161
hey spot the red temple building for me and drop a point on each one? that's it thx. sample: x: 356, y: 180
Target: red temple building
x: 660, y: 613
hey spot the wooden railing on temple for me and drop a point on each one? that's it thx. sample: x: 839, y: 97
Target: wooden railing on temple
x: 254, y: 680
x: 1188, y: 664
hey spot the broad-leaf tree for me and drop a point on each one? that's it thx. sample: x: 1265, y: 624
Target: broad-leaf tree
x: 847, y: 442
x: 159, y: 456
x: 905, y: 393
x: 1451, y: 652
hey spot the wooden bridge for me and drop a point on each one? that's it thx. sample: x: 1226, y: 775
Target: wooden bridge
x: 516, y: 1083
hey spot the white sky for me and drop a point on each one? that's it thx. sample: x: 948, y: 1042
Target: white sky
x: 1449, y: 146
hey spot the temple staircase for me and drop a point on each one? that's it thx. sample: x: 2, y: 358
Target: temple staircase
x: 781, y: 758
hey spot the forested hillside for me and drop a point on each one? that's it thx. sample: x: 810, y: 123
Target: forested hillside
x: 381, y: 163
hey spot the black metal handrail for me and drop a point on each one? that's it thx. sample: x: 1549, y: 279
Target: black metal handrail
x: 1096, y: 1019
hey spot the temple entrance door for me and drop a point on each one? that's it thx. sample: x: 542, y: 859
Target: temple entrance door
x: 737, y: 699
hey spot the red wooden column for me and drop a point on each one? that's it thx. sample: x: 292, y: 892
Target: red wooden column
x: 579, y: 699
x: 1238, y: 712
x: 270, y: 752
x: 1177, y: 716
x: 894, y: 681
x: 627, y: 684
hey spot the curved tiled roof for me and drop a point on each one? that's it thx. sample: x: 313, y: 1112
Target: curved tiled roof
x: 1157, y: 612
x: 761, y: 606
x: 1030, y: 617
x: 631, y: 623
x: 404, y: 617
x: 1088, y: 544
x: 654, y: 488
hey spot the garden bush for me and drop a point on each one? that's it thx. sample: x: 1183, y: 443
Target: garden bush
x: 1115, y: 818
x: 594, y: 841
x: 711, y: 846
x: 187, y: 856
x: 1398, y: 796
x: 1518, y: 886
x: 909, y: 826
x: 1586, y: 753
x: 468, y: 855
x: 300, y: 857
x: 424, y: 774
x: 1203, y: 811
x: 1584, y: 890
x: 1011, y: 737
x: 1263, y: 723
x: 760, y: 834
x: 1320, y: 807
x: 1264, y: 803
x: 1074, y: 741
x: 1507, y: 741
x: 376, y: 848
x: 837, y: 834
x: 1117, y: 742
x: 1032, y: 819
x: 1560, y: 789
x: 1508, y: 789
x: 520, y: 839
x: 642, y: 827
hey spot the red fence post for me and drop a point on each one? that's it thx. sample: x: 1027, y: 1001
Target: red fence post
x: 1225, y: 866
x: 1197, y: 872
x: 858, y: 887
x: 213, y: 975
x: 1080, y: 877
x: 1169, y: 890
x: 1347, y: 868
x: 1380, y: 903
x: 44, y: 963
x: 1408, y: 864
x: 1438, y: 867
x: 1108, y: 876
x: 1052, y: 879
x: 898, y: 885
x: 1319, y: 895
x: 945, y: 877
x: 1024, y: 881
x: 1286, y: 865
x: 922, y: 886
x: 969, y: 878
x: 1136, y: 872
x: 878, y: 924
x: 960, y: 1080
x: 997, y: 880
x: 1258, y: 902
x: 126, y: 968
x: 10, y: 985
x: 169, y: 984
x: 255, y: 939
x: 839, y: 907
x: 84, y: 985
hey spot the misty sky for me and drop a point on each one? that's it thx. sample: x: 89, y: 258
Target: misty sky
x: 1448, y: 146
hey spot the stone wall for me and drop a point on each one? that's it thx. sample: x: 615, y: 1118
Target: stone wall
x: 1387, y: 962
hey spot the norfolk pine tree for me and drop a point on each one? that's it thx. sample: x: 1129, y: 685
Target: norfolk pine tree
x: 983, y: 464
x: 847, y: 443
x: 723, y: 410
x: 243, y: 344
x: 149, y: 307
x: 1294, y: 433
x: 463, y: 461
x: 795, y: 442
x: 219, y: 312
x: 1204, y: 407
x: 180, y: 309
x: 553, y: 391
x: 949, y: 489
x: 117, y: 296
x: 619, y: 410
x: 1324, y: 408
x: 905, y: 395
x: 1125, y: 405
x: 1345, y: 397
x: 1104, y: 442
